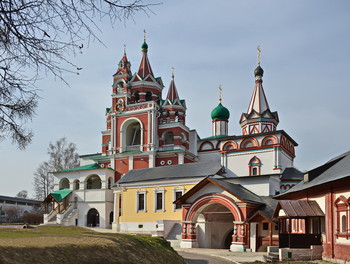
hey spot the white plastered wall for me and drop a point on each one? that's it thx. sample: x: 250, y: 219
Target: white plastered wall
x: 100, y: 199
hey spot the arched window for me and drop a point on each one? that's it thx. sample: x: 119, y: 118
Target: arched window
x: 76, y: 185
x: 254, y: 166
x: 176, y: 116
x: 148, y: 96
x: 168, y: 138
x: 64, y: 184
x: 343, y: 224
x: 110, y: 182
x: 136, y: 96
x: 93, y: 182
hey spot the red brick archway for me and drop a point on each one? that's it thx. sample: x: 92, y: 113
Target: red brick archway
x: 213, y: 198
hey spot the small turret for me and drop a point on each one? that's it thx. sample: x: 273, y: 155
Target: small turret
x: 220, y: 116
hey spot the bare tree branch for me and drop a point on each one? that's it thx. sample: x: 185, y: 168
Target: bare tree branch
x: 62, y: 155
x: 39, y: 37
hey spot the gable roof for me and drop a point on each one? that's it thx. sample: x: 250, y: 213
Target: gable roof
x: 292, y: 174
x: 266, y: 210
x: 236, y: 190
x: 298, y: 208
x: 188, y: 170
x: 58, y: 195
x: 335, y: 169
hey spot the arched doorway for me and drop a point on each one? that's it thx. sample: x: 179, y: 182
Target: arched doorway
x: 93, y: 218
x: 213, y: 224
x: 209, y: 221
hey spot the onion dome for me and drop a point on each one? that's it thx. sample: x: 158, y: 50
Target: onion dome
x: 259, y: 71
x: 144, y: 46
x: 220, y: 112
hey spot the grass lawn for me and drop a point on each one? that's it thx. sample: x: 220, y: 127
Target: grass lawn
x: 60, y: 244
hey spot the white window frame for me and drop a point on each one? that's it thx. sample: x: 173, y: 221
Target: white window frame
x: 175, y: 190
x: 156, y: 191
x: 138, y: 192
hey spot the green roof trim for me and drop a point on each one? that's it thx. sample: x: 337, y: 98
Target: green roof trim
x: 107, y: 110
x: 131, y: 151
x: 61, y: 194
x: 86, y: 167
x: 213, y: 137
x: 95, y: 155
x: 171, y: 150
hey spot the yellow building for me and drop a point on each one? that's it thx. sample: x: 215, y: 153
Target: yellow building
x: 144, y: 198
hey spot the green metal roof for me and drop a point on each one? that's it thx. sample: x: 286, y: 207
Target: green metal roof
x: 61, y: 194
x: 220, y: 112
x: 213, y: 137
x: 144, y: 46
x: 86, y: 167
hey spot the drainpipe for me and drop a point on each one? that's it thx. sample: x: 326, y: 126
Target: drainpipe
x: 332, y: 220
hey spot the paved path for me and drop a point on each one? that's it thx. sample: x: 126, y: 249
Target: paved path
x: 193, y: 258
x: 206, y: 256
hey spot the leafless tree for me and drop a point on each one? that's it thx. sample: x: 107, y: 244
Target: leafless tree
x: 22, y: 194
x: 62, y: 155
x: 39, y: 37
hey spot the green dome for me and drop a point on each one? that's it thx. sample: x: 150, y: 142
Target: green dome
x: 259, y: 71
x: 220, y: 112
x: 144, y: 46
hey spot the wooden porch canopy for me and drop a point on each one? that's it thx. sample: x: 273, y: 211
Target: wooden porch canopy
x: 300, y: 223
x: 59, y: 197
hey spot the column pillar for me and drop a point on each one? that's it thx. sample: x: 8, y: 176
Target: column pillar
x: 238, y: 237
x: 116, y: 209
x: 189, y: 237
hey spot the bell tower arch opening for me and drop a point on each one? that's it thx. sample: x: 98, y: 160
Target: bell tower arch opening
x: 132, y: 135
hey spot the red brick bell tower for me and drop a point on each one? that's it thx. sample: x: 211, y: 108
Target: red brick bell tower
x: 142, y: 129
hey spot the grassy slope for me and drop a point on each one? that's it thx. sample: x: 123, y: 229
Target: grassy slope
x: 58, y: 244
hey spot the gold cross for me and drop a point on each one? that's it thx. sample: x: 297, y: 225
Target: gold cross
x: 220, y: 94
x: 144, y: 35
x: 172, y: 72
x: 259, y: 52
x: 124, y: 49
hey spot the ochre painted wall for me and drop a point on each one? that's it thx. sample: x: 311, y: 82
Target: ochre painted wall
x: 130, y: 214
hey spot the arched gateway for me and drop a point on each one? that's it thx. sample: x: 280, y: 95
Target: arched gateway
x: 209, y: 220
x: 217, y: 214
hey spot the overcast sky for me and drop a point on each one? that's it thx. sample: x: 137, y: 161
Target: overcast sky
x: 305, y: 55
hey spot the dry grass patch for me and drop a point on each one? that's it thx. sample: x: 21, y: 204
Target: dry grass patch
x: 58, y: 244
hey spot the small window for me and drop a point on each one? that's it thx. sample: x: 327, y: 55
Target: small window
x: 343, y: 224
x: 255, y: 171
x: 265, y: 226
x: 109, y: 183
x: 148, y: 96
x: 178, y: 194
x: 137, y: 97
x: 159, y: 202
x: 76, y: 185
x: 141, y: 202
x: 169, y: 138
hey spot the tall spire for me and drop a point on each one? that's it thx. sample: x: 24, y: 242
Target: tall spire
x: 145, y: 67
x: 124, y: 65
x: 259, y: 118
x: 172, y: 93
x: 258, y: 102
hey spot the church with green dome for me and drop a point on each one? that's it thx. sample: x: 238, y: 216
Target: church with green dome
x: 156, y: 176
